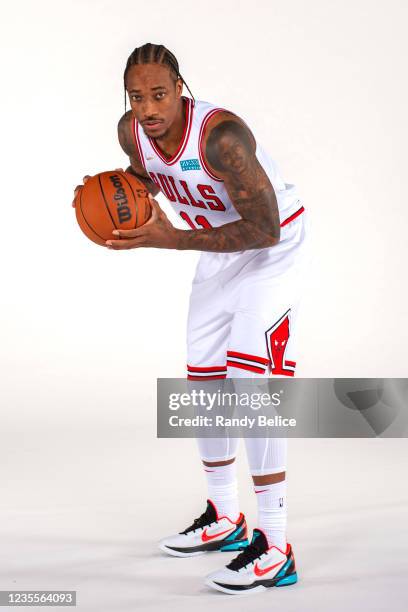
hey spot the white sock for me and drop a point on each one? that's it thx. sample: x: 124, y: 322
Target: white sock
x: 223, y: 489
x: 272, y: 512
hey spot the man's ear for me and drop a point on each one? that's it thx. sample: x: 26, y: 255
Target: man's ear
x: 179, y: 88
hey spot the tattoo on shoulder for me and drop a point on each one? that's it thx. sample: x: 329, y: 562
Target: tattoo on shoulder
x: 231, y: 151
x: 229, y: 146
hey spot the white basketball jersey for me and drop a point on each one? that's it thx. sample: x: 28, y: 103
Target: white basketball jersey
x: 195, y: 193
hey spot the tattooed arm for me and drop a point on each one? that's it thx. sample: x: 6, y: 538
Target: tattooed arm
x: 229, y: 148
x: 127, y: 143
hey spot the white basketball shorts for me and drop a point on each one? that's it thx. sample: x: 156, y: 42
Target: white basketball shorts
x: 242, y: 321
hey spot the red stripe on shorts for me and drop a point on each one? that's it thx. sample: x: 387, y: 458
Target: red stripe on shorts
x: 244, y: 366
x: 261, y: 360
x: 210, y: 369
x: 189, y: 377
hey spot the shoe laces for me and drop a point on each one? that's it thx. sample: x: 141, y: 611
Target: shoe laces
x: 249, y: 554
x: 202, y: 521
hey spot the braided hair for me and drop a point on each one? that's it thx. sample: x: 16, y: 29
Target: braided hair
x: 153, y: 54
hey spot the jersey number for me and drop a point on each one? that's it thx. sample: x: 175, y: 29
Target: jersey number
x: 200, y: 220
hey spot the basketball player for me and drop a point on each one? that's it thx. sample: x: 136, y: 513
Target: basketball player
x: 250, y: 226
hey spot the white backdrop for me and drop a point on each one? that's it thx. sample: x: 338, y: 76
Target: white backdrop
x: 320, y: 83
x: 85, y: 332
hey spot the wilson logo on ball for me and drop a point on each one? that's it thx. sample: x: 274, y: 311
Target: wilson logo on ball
x: 119, y: 196
x: 111, y: 200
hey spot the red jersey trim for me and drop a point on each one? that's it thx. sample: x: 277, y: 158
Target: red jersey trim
x: 292, y: 217
x: 206, y: 119
x: 186, y: 134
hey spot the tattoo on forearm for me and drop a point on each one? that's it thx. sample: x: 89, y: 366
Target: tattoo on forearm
x: 229, y: 238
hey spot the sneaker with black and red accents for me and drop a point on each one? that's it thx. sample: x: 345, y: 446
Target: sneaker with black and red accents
x: 207, y: 533
x: 257, y: 568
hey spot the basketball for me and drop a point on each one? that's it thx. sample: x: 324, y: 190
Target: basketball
x: 111, y: 200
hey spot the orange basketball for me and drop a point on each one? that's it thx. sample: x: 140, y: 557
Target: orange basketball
x: 111, y: 200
